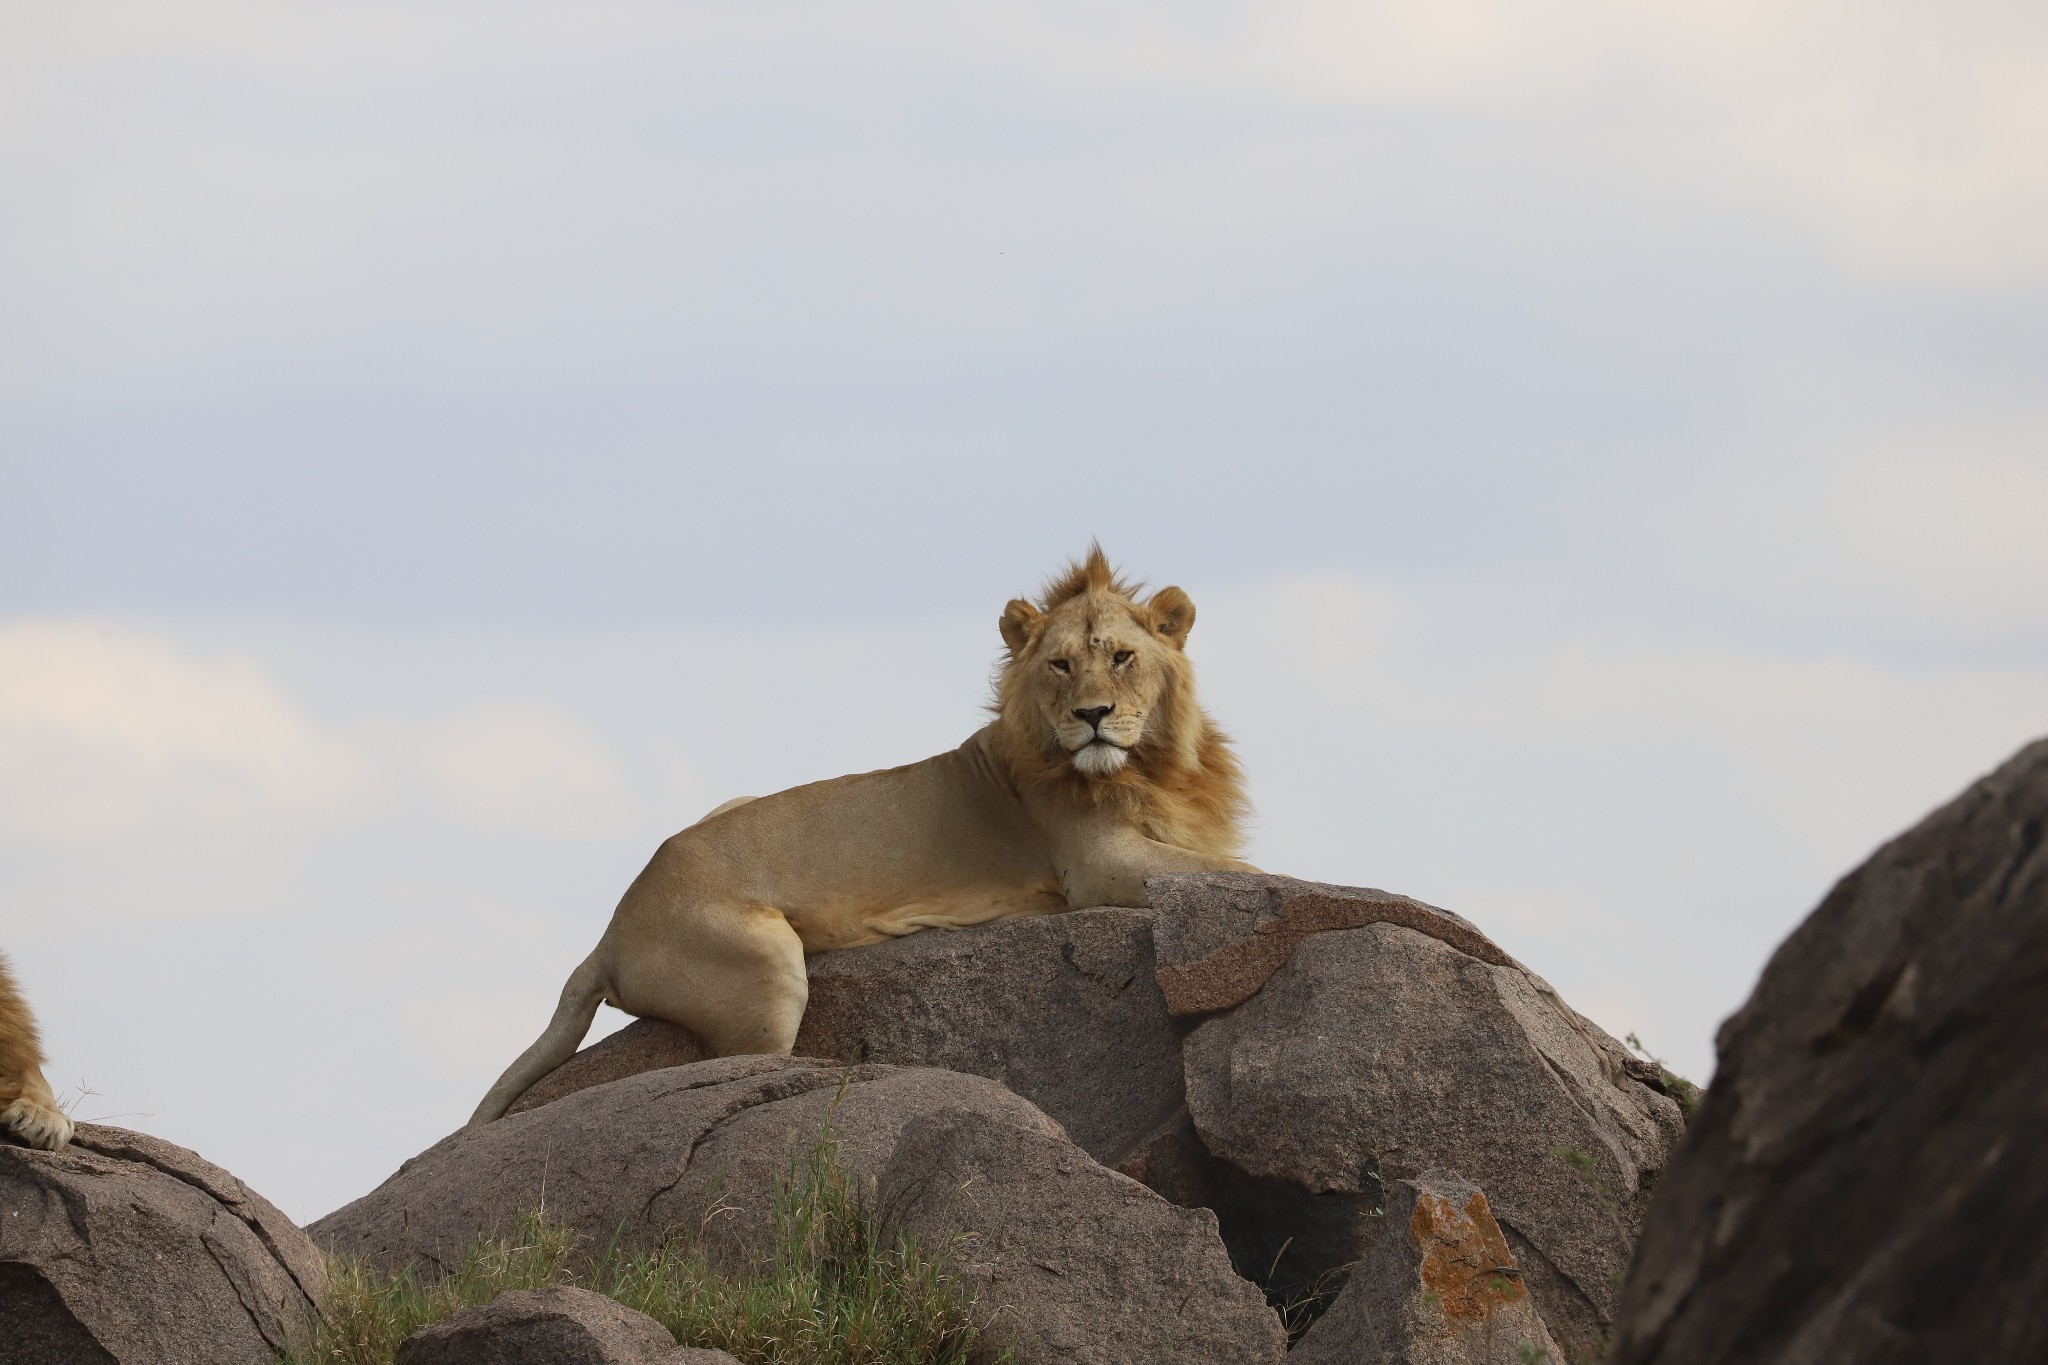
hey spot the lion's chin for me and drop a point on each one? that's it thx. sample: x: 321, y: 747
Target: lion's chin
x: 1100, y: 759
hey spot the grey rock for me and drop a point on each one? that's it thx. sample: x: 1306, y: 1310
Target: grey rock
x: 1867, y: 1180
x: 1377, y: 1053
x: 618, y: 1159
x: 1062, y: 1009
x: 125, y: 1248
x: 1439, y: 1287
x: 562, y: 1325
x: 1077, y: 1013
x: 1071, y: 1261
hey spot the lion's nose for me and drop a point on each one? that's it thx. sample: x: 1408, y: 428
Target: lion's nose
x: 1092, y: 714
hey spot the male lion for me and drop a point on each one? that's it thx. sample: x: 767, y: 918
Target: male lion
x: 1099, y: 770
x: 28, y: 1111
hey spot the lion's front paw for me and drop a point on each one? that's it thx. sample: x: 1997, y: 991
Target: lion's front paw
x: 35, y: 1123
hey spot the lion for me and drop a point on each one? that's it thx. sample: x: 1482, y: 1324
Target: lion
x: 28, y: 1111
x: 1098, y: 770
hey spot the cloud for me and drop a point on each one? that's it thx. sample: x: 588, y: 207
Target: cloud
x: 522, y: 767
x: 1949, y: 529
x: 107, y: 733
x: 103, y: 731
x: 201, y: 180
x: 1899, y: 138
x: 1834, y: 749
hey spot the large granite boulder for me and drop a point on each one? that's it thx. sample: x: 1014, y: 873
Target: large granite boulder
x: 1062, y: 1009
x: 1374, y: 1053
x: 1440, y: 1288
x: 1069, y: 1261
x: 124, y: 1248
x: 1273, y: 1050
x: 1868, y: 1178
x: 561, y: 1325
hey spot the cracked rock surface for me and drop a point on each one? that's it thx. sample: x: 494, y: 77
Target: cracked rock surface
x: 1868, y: 1178
x: 126, y: 1248
x: 1073, y: 1261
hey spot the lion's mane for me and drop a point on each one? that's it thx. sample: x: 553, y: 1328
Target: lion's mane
x: 1184, y: 786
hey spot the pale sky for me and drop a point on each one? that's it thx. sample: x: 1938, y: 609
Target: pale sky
x: 444, y: 448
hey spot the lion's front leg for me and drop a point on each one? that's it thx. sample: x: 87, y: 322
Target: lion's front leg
x: 1110, y: 867
x: 29, y: 1112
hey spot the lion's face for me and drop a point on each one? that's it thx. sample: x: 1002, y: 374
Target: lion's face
x: 1100, y: 673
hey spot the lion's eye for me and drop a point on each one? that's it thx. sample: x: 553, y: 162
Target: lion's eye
x: 1123, y: 656
x: 1061, y: 666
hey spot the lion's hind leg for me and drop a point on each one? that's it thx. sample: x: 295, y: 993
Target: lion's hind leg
x: 731, y: 974
x: 28, y: 1111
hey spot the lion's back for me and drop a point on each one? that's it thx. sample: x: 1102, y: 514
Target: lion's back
x: 942, y: 822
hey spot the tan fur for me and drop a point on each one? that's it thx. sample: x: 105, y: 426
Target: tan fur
x: 1041, y: 810
x: 28, y: 1111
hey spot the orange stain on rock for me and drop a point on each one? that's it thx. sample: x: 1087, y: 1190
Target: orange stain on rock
x: 1465, y: 1259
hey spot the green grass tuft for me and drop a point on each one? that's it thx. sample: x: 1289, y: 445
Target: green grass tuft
x: 1676, y: 1086
x: 842, y: 1285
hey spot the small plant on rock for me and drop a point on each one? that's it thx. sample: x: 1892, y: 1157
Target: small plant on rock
x: 1676, y: 1086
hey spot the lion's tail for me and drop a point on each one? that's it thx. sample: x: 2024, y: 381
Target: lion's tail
x: 578, y: 1006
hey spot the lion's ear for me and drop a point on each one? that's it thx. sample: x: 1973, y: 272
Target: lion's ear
x: 1173, y: 615
x: 1020, y: 618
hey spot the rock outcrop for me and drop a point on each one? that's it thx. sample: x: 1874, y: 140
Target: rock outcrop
x: 1062, y: 1009
x: 1373, y: 1054
x: 1275, y: 1051
x: 1069, y: 1260
x: 1440, y: 1288
x: 1867, y: 1180
x: 123, y: 1249
x: 562, y: 1325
